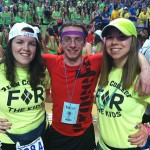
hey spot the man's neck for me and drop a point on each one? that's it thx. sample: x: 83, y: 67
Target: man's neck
x: 72, y: 62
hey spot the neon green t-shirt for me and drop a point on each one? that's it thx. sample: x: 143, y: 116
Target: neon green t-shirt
x: 72, y: 12
x: 26, y: 7
x: 2, y: 19
x: 39, y: 11
x: 101, y: 6
x: 55, y: 49
x: 21, y: 105
x: 29, y: 18
x: 119, y: 111
x: 20, y: 6
x: 7, y: 2
x: 86, y: 19
x: 19, y: 19
x: 47, y: 21
x: 78, y: 16
x: 36, y: 2
x: 7, y: 16
x: 56, y: 15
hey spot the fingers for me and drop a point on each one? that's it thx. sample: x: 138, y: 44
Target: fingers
x: 139, y: 141
x: 142, y: 144
x: 144, y: 90
x: 4, y: 125
x: 139, y: 138
x: 143, y: 82
x: 147, y: 91
x: 2, y: 130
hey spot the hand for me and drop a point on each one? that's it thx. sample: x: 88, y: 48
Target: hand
x: 4, y: 125
x: 144, y: 82
x: 139, y: 138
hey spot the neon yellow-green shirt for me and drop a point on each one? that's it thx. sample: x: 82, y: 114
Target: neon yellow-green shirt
x: 119, y: 111
x: 23, y: 107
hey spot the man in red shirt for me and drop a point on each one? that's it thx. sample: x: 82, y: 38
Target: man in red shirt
x: 74, y: 79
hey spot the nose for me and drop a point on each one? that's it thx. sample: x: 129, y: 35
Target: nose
x: 114, y: 40
x: 73, y: 44
x: 26, y: 46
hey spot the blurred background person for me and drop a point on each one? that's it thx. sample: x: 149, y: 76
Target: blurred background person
x: 98, y: 42
x: 50, y: 41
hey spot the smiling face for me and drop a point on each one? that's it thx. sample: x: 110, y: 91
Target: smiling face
x: 23, y: 50
x: 118, y: 46
x: 72, y: 45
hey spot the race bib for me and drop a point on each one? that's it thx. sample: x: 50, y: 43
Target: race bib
x: 70, y: 113
x: 35, y: 145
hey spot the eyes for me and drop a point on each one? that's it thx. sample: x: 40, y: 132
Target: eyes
x: 119, y: 37
x: 21, y: 42
x: 77, y: 40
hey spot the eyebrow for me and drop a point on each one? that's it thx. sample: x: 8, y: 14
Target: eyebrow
x: 72, y: 33
x: 20, y: 39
